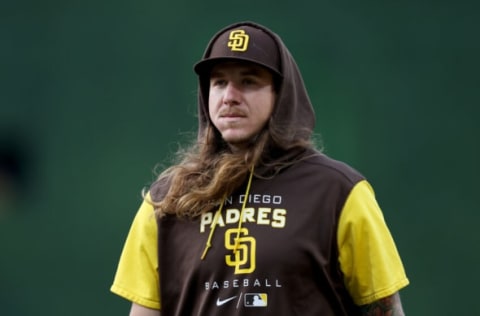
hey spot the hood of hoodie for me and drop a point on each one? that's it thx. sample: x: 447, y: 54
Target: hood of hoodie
x: 293, y: 114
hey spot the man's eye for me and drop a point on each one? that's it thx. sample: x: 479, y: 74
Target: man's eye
x: 248, y: 81
x: 218, y: 82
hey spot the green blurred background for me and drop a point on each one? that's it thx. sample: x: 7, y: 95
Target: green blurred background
x: 93, y: 94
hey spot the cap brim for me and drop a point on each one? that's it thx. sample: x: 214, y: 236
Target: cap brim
x: 205, y: 66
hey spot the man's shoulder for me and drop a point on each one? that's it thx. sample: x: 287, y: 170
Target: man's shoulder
x: 159, y: 189
x: 320, y: 163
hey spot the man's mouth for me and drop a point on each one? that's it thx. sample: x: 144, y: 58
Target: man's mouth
x: 232, y: 114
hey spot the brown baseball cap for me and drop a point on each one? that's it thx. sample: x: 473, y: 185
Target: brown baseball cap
x: 243, y: 42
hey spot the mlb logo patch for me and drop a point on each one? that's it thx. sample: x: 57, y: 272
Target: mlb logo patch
x: 256, y: 300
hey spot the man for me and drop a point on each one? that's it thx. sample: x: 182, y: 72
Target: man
x: 253, y: 220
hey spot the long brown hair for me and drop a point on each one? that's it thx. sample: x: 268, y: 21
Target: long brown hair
x: 208, y: 171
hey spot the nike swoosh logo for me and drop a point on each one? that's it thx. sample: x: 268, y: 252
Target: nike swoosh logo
x: 222, y: 302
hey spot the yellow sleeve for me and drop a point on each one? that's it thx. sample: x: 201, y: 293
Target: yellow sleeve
x: 368, y: 257
x: 137, y: 277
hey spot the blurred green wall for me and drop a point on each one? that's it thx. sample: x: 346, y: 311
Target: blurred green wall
x: 93, y: 94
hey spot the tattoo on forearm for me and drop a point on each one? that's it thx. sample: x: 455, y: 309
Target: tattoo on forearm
x: 388, y: 306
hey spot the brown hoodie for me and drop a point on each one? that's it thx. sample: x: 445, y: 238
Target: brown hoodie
x: 282, y: 259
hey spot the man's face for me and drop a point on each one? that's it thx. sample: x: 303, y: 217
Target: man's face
x: 241, y: 100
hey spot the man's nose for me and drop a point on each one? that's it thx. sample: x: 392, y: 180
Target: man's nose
x: 231, y: 94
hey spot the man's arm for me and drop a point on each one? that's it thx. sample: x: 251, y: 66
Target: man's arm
x: 387, y: 306
x: 139, y: 310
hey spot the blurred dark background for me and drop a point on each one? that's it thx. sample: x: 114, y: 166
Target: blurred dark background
x: 93, y: 94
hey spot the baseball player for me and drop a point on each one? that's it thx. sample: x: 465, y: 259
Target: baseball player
x: 253, y: 219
